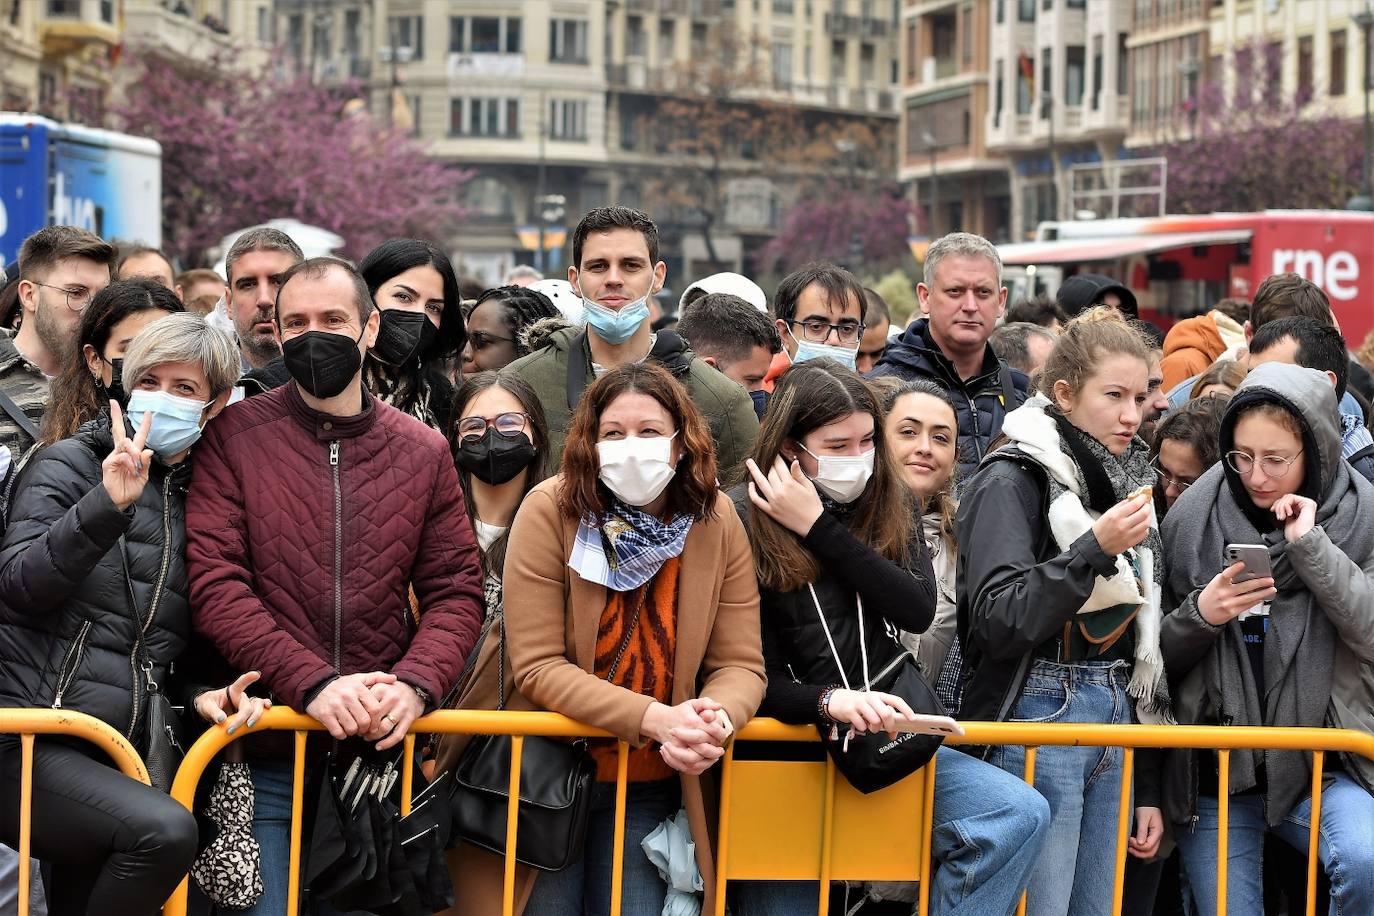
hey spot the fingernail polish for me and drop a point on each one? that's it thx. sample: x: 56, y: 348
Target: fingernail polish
x: 231, y: 729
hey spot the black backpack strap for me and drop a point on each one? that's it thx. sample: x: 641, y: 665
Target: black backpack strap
x: 17, y: 415
x: 578, y: 369
x: 1010, y: 396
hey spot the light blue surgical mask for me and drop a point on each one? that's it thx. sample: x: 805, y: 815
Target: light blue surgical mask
x: 176, y: 420
x: 615, y: 326
x: 845, y: 356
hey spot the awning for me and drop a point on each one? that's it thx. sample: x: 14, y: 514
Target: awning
x: 1085, y: 251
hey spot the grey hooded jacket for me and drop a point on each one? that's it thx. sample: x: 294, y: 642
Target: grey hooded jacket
x: 1341, y: 586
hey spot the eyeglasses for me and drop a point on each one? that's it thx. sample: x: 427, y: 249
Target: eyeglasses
x: 77, y: 299
x: 1169, y: 480
x: 509, y: 425
x: 1273, y: 466
x: 817, y: 330
x: 480, y: 340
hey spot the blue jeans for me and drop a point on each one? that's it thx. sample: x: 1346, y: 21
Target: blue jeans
x: 585, y: 887
x: 1346, y: 848
x: 1074, y: 876
x: 988, y: 828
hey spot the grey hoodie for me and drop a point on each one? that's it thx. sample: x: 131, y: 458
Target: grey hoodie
x: 1321, y: 642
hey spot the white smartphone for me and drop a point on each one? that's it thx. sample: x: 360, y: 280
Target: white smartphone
x: 930, y: 725
x: 1256, y: 560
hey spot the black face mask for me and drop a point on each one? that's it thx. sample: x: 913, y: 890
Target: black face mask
x: 403, y: 336
x: 115, y: 390
x: 322, y: 363
x: 496, y: 459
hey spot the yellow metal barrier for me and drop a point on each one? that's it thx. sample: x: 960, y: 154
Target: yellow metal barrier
x: 823, y: 841
x: 26, y: 723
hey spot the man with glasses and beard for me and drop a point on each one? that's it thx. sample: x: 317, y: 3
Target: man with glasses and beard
x: 61, y: 270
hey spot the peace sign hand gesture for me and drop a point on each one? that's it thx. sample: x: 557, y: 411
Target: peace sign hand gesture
x: 125, y: 471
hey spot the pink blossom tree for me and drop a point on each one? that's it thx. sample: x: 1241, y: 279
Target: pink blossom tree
x: 1256, y: 148
x: 867, y: 232
x: 240, y: 148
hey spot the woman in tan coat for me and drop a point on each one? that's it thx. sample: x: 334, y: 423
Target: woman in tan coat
x: 631, y: 605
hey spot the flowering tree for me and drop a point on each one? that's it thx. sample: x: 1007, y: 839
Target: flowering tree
x: 864, y: 231
x: 1253, y: 148
x: 240, y: 148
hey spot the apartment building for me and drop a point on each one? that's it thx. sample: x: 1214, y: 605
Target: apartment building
x: 944, y: 160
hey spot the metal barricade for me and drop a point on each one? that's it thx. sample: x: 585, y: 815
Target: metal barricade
x: 27, y: 723
x: 767, y: 831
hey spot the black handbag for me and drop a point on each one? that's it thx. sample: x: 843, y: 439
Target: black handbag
x: 166, y: 731
x: 874, y: 761
x: 555, y: 788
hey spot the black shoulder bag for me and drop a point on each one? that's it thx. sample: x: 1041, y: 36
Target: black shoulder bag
x: 166, y: 730
x: 556, y: 779
x: 875, y: 761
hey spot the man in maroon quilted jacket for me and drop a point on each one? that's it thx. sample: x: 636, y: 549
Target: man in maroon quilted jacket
x: 313, y: 509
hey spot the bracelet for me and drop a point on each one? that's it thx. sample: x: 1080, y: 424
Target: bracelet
x: 823, y: 705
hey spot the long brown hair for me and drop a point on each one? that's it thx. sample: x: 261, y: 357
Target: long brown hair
x: 494, y: 557
x: 811, y: 395
x: 692, y: 491
x: 891, y: 390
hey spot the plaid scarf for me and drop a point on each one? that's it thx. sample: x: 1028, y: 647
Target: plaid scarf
x: 624, y: 547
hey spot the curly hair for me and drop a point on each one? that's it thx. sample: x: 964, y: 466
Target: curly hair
x: 524, y: 307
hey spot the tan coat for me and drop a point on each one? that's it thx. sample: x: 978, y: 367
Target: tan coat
x: 552, y: 618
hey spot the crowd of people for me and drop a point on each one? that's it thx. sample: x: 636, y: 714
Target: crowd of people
x: 386, y: 493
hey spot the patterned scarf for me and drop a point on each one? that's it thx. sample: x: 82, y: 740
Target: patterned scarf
x: 410, y: 395
x: 626, y: 547
x: 1086, y: 479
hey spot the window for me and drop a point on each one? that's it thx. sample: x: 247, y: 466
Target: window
x: 807, y: 70
x: 1337, y: 81
x: 966, y: 35
x: 484, y: 35
x: 1046, y: 84
x: 265, y: 25
x: 629, y: 130
x: 1025, y: 79
x: 63, y: 7
x: 352, y: 37
x: 568, y: 41
x: 487, y: 198
x: 1304, y: 68
x: 998, y: 91
x: 484, y: 117
x: 1076, y: 4
x: 1095, y: 93
x: 407, y: 32
x: 295, y: 37
x: 838, y: 56
x: 667, y: 35
x: 567, y: 120
x: 636, y: 41
x: 700, y: 41
x: 782, y: 65
x: 1025, y: 10
x: 1001, y: 11
x: 107, y: 11
x: 1047, y: 5
x: 911, y: 50
x: 1123, y: 77
x: 868, y: 59
x: 1073, y: 75
x: 947, y: 121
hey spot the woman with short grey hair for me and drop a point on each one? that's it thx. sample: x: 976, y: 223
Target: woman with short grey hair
x: 94, y: 610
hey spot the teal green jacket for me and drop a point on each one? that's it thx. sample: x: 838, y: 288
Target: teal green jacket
x: 725, y: 404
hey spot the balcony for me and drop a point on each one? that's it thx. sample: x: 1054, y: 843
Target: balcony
x: 173, y: 31
x: 842, y: 26
x: 875, y: 28
x: 69, y: 25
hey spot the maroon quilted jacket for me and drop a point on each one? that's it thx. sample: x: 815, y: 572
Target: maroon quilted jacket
x: 304, y: 532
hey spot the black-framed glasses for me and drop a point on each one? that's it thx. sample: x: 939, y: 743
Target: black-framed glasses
x: 480, y: 340
x: 77, y: 299
x: 1169, y: 480
x: 818, y: 330
x: 1273, y: 466
x: 509, y: 424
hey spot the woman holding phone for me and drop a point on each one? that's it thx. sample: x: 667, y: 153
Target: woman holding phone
x: 843, y: 568
x: 1282, y: 636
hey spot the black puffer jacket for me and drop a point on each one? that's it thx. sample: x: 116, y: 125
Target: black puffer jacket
x: 980, y: 403
x: 68, y: 636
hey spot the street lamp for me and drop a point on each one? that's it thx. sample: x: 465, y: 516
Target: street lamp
x: 929, y: 139
x: 1365, y: 200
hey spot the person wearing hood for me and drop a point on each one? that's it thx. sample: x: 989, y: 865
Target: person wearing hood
x: 94, y: 616
x: 416, y: 293
x: 1058, y: 593
x: 616, y: 269
x: 1196, y: 343
x: 1081, y: 292
x: 728, y: 283
x: 1293, y: 646
x: 962, y: 299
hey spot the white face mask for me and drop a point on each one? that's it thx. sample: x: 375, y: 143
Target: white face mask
x: 637, y: 469
x: 842, y: 477
x: 845, y: 356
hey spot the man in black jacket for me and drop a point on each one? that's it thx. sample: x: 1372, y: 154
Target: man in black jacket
x: 962, y: 298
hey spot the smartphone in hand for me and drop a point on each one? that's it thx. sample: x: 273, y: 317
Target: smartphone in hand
x: 1256, y: 560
